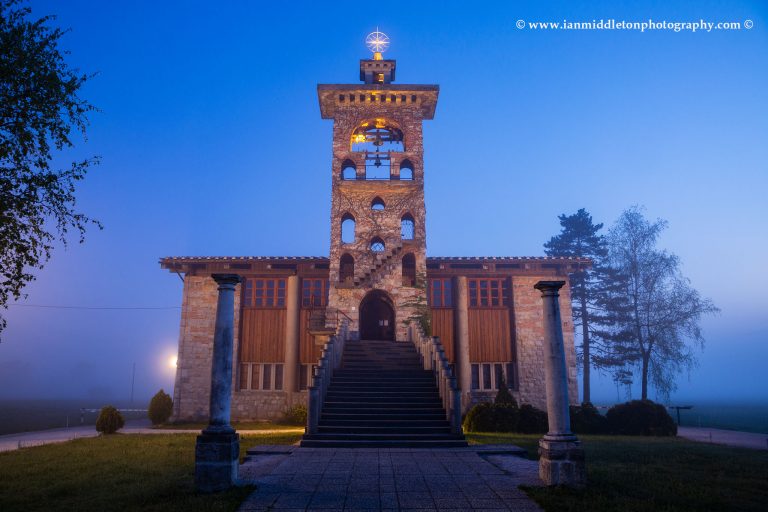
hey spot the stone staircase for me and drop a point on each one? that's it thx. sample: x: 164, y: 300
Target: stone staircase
x: 383, y: 263
x: 382, y: 397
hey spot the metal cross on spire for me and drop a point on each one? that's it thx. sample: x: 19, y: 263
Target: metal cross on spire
x: 377, y: 42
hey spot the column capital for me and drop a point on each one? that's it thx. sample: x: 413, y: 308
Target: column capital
x: 549, y: 288
x: 226, y: 279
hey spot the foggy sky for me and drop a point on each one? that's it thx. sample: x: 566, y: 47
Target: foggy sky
x: 212, y: 144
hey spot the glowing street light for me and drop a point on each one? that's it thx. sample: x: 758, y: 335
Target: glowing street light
x: 173, y: 361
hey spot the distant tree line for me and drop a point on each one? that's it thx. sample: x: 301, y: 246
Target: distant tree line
x: 636, y: 315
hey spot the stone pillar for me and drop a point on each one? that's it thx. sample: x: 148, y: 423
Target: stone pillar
x: 290, y: 368
x: 463, y: 365
x: 561, y: 458
x: 217, y: 451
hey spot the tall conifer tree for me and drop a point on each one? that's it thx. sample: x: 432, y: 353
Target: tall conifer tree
x: 580, y: 238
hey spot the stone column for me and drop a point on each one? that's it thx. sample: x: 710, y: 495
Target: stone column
x: 290, y: 368
x: 463, y: 365
x: 217, y: 451
x: 561, y: 458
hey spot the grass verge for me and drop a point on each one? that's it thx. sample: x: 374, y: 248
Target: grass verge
x: 238, y: 425
x: 640, y: 474
x: 115, y: 473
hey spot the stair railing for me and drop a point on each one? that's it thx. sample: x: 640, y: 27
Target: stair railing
x: 433, y: 358
x: 330, y: 360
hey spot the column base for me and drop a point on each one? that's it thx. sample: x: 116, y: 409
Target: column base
x: 217, y: 455
x: 561, y: 462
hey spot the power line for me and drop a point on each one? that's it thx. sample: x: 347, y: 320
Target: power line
x: 45, y: 306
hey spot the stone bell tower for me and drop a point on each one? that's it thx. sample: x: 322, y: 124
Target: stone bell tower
x: 378, y: 239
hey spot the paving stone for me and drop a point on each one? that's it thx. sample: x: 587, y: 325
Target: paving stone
x: 415, y: 499
x: 328, y: 500
x: 362, y: 500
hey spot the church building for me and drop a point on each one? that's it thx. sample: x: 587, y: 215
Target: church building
x: 376, y: 278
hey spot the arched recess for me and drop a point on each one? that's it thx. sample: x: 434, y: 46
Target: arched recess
x: 378, y: 204
x: 409, y: 270
x: 346, y: 269
x: 377, y: 139
x: 378, y: 245
x: 348, y: 170
x: 347, y: 228
x: 406, y: 170
x: 407, y: 227
x: 377, y: 316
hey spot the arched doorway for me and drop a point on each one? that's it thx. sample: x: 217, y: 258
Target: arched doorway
x: 377, y: 317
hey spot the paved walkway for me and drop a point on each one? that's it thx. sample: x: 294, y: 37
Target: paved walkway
x: 59, y: 435
x: 477, y: 478
x: 726, y: 437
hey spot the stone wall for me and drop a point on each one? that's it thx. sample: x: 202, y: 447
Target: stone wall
x: 529, y: 340
x: 191, y: 394
x: 354, y: 198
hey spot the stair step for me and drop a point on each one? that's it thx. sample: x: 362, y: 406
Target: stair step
x: 362, y: 443
x: 353, y: 421
x: 382, y: 430
x: 386, y: 437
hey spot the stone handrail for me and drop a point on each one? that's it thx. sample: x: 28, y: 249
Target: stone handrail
x: 433, y: 358
x: 329, y: 361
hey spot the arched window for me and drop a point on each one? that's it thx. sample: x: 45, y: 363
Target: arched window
x: 406, y: 227
x: 347, y: 229
x: 377, y: 139
x: 346, y: 269
x: 409, y: 270
x: 406, y: 170
x: 377, y: 245
x: 348, y: 170
x: 377, y: 204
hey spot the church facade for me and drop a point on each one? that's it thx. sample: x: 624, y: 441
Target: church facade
x: 377, y: 278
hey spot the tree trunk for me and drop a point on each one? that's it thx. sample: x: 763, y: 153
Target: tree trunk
x: 646, y: 360
x: 586, y: 395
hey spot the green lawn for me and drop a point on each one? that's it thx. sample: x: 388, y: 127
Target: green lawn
x: 239, y: 425
x: 115, y: 473
x: 655, y: 474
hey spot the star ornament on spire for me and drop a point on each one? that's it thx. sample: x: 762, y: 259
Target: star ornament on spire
x: 377, y: 42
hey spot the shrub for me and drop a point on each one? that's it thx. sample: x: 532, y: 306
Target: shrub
x: 532, y: 420
x: 296, y: 415
x: 477, y: 417
x: 488, y: 417
x: 640, y: 418
x: 586, y: 419
x: 160, y: 408
x: 504, y: 396
x: 109, y: 421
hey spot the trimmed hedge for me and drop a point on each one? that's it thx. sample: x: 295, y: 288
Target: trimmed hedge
x: 296, y: 415
x: 160, y: 408
x: 505, y: 417
x: 109, y: 421
x: 640, y: 418
x: 586, y: 419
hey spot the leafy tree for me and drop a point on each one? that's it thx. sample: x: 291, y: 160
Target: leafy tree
x: 580, y: 237
x: 656, y: 311
x: 40, y: 108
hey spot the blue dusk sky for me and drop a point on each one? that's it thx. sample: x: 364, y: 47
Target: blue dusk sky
x: 212, y: 144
